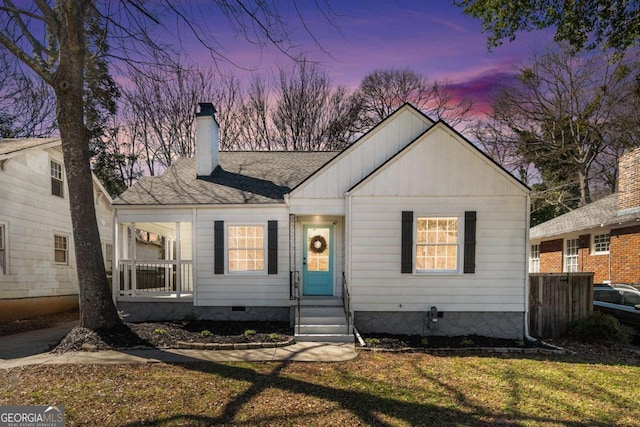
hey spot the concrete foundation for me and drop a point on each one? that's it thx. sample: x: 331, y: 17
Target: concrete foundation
x: 26, y: 308
x: 498, y: 325
x: 166, y: 311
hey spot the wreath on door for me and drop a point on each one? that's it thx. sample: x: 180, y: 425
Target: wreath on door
x: 317, y: 244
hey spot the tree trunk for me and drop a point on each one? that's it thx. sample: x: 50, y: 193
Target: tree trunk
x: 97, y: 310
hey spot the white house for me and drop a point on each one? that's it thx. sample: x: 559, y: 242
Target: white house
x: 411, y: 229
x: 37, y: 261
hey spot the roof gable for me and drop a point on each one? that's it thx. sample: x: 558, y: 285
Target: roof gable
x: 371, y: 150
x: 439, y: 162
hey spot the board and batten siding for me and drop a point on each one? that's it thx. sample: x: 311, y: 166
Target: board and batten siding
x: 440, y: 174
x: 32, y: 216
x: 359, y: 160
x: 238, y: 289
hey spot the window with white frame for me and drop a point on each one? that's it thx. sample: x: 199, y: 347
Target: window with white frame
x: 3, y: 249
x: 534, y: 259
x: 57, y: 180
x: 601, y: 243
x: 245, y: 246
x: 61, y: 249
x: 108, y: 257
x: 437, y: 244
x: 571, y: 255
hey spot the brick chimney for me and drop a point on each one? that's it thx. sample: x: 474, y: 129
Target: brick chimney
x: 206, y: 139
x: 629, y: 180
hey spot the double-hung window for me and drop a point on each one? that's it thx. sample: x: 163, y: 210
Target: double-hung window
x: 571, y: 247
x: 437, y: 244
x: 57, y: 180
x: 601, y: 243
x: 246, y: 248
x: 534, y: 259
x: 61, y: 249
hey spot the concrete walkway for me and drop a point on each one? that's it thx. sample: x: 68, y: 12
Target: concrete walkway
x: 32, y: 348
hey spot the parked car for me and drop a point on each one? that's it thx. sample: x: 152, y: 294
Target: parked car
x: 620, y: 301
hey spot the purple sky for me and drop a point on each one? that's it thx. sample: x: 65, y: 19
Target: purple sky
x: 429, y: 36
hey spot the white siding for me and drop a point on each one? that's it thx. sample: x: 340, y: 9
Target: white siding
x: 324, y: 192
x: 33, y: 216
x: 497, y: 285
x: 440, y: 164
x: 259, y: 290
x: 440, y: 175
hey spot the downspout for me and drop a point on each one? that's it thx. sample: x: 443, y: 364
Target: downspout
x: 527, y: 223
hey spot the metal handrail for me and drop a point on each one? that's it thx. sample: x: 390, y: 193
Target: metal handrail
x: 296, y: 287
x: 346, y: 300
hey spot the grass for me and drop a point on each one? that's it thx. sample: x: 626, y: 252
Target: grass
x: 374, y: 389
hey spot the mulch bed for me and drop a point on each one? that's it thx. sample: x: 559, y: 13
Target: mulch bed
x: 169, y: 334
x: 397, y: 342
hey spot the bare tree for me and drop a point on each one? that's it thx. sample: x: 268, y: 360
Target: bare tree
x: 27, y: 105
x: 53, y: 39
x: 384, y: 91
x: 565, y: 122
x: 309, y: 114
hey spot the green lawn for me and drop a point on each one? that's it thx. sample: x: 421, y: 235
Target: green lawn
x: 375, y: 389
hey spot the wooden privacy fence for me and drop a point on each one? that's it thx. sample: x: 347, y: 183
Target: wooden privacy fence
x: 556, y: 299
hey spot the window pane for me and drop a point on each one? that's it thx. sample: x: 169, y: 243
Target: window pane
x: 437, y: 244
x: 246, y: 248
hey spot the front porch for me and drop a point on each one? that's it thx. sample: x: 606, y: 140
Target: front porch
x: 153, y: 261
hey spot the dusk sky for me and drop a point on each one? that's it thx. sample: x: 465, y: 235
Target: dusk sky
x: 432, y: 37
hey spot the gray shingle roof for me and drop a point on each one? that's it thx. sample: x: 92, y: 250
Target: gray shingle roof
x: 243, y: 177
x: 603, y: 212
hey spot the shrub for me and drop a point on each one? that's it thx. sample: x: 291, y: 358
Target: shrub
x: 160, y: 331
x: 600, y: 328
x: 273, y: 336
x: 371, y: 341
x: 466, y: 342
x: 206, y: 333
x: 424, y: 341
x: 249, y: 332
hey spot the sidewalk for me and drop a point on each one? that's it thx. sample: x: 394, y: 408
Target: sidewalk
x: 31, y: 348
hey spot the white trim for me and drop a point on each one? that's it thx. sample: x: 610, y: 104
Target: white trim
x: 592, y: 242
x: 565, y: 268
x: 532, y: 259
x: 459, y: 244
x: 265, y: 248
x: 67, y: 249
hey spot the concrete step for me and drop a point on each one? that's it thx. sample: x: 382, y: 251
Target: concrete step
x: 321, y: 320
x: 321, y: 301
x: 321, y: 312
x: 322, y: 329
x: 324, y: 337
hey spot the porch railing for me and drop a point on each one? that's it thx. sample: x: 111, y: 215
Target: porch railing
x: 156, y: 278
x: 346, y: 300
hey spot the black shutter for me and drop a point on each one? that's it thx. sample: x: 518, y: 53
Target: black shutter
x: 470, y: 242
x: 407, y: 242
x: 272, y: 245
x: 218, y: 247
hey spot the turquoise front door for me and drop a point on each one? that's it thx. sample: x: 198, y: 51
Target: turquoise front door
x: 317, y: 268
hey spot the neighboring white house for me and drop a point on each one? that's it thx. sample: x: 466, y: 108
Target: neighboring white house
x: 37, y: 262
x: 411, y: 229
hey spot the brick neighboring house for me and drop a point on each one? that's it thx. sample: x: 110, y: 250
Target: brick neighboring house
x: 602, y: 237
